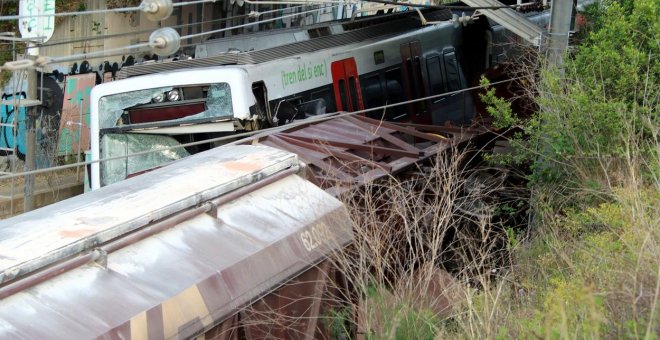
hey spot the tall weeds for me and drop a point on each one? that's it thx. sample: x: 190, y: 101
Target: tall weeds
x: 426, y: 243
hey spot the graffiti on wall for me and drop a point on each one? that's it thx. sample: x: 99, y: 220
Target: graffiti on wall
x: 74, y: 120
x: 12, y: 115
x: 60, y: 129
x: 13, y: 119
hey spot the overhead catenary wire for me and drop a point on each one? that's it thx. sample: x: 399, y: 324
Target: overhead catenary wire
x: 111, y: 36
x: 450, y: 7
x: 142, y: 47
x: 141, y: 7
x: 402, y: 4
x: 256, y: 22
x: 253, y: 2
x: 252, y: 133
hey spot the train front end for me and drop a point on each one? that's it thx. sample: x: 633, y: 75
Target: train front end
x: 138, y: 124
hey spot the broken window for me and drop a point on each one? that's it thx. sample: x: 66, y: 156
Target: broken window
x: 112, y: 107
x: 115, y: 145
x: 218, y: 103
x: 166, y: 105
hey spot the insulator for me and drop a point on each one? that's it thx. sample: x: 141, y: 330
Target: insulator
x: 165, y: 41
x: 157, y: 10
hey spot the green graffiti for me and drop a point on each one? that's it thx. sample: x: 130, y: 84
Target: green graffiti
x: 304, y: 73
x: 77, y: 96
x: 71, y: 84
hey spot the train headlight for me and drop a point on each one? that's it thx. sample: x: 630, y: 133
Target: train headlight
x: 173, y: 95
x: 159, y: 98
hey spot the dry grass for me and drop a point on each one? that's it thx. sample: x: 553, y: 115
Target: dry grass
x: 411, y: 232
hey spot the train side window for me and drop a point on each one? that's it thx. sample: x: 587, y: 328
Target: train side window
x: 435, y: 75
x: 379, y: 57
x: 453, y: 76
x: 342, y: 94
x: 373, y: 91
x: 395, y: 94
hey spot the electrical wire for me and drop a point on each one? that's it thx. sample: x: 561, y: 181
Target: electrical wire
x: 142, y: 47
x: 451, y: 7
x: 255, y: 23
x: 101, y: 37
x: 294, y: 124
x: 98, y: 11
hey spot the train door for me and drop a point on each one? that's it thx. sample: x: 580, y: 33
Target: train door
x: 346, y: 85
x: 445, y: 75
x: 458, y: 105
x: 415, y: 82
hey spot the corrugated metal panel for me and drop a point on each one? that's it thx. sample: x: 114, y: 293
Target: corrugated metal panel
x: 343, y: 152
x: 510, y: 19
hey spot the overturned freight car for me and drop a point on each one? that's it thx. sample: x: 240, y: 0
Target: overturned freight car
x: 176, y: 252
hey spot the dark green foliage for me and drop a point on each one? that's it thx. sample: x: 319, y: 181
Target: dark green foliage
x: 603, y: 103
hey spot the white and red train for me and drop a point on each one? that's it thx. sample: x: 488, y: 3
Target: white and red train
x: 341, y: 66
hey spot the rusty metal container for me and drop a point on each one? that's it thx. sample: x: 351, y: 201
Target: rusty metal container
x: 172, y: 253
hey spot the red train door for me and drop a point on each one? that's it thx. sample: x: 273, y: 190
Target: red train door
x: 415, y: 82
x: 345, y: 82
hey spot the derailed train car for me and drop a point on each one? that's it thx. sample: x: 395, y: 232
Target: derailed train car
x: 175, y: 253
x: 341, y: 66
x: 234, y: 242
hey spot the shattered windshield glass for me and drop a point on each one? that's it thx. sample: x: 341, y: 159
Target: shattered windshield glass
x: 166, y: 104
x: 114, y: 145
x: 218, y: 103
x: 112, y: 107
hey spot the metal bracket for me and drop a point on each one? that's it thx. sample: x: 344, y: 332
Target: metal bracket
x: 100, y: 257
x: 213, y: 209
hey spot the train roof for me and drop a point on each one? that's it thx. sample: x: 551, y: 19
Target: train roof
x: 210, y: 232
x: 354, y: 32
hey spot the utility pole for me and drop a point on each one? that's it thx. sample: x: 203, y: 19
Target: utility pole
x: 561, y: 15
x: 38, y: 24
x: 30, y: 141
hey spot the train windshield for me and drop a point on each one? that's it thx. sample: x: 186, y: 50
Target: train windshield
x: 151, y: 123
x: 166, y: 106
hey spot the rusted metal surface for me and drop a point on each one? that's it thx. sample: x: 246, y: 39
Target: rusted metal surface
x: 191, y: 277
x: 293, y: 311
x: 35, y: 240
x: 304, y: 308
x: 352, y: 150
x: 149, y: 230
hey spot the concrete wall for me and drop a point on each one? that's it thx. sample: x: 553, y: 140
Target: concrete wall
x: 85, y: 29
x: 47, y: 190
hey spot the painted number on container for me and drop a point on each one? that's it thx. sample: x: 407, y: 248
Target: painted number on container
x: 313, y: 237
